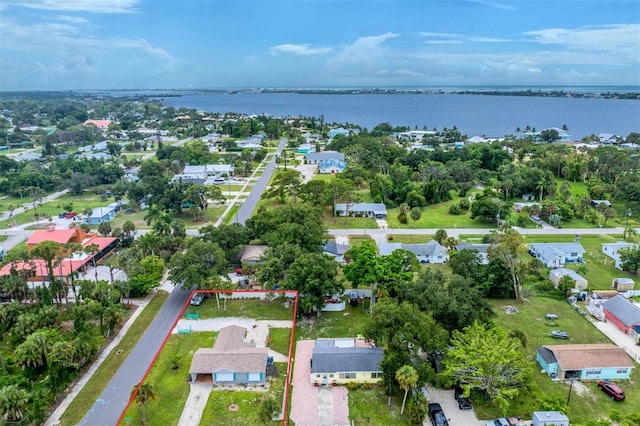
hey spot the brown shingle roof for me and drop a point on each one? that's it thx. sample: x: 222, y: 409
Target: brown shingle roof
x: 230, y: 338
x: 580, y: 356
x: 247, y: 360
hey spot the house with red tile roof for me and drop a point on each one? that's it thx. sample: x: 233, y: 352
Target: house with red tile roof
x: 36, y: 269
x: 100, y: 124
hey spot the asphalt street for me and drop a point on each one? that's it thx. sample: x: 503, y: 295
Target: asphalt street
x: 109, y: 406
x: 246, y: 209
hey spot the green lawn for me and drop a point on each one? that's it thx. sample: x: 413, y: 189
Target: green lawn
x: 369, y: 407
x: 94, y: 387
x: 587, y: 402
x: 598, y: 269
x: 170, y: 383
x: 244, y: 308
x: 217, y: 410
x: 347, y: 323
x: 280, y: 340
x: 348, y: 222
x: 409, y: 239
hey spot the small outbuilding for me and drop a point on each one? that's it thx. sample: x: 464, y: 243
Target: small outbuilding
x: 555, y: 275
x: 623, y: 284
x: 544, y: 418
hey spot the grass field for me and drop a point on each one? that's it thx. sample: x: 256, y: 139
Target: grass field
x: 280, y: 339
x: 598, y: 269
x: 347, y: 323
x: 369, y: 407
x: 170, y: 383
x: 94, y: 387
x: 587, y: 402
x: 244, y: 308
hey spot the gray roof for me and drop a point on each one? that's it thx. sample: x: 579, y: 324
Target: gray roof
x: 625, y: 311
x: 427, y: 249
x: 347, y: 360
x: 480, y: 248
x: 325, y: 155
x: 547, y: 355
x: 335, y: 248
x: 558, y: 248
x: 362, y: 207
x: 548, y: 417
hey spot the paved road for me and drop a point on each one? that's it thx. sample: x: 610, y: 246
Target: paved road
x: 246, y: 209
x: 456, y: 232
x: 6, y: 215
x: 108, y: 408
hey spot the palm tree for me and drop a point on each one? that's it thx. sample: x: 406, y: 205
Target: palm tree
x: 47, y: 251
x: 407, y: 378
x: 92, y: 250
x: 142, y: 396
x: 152, y: 214
x: 13, y: 403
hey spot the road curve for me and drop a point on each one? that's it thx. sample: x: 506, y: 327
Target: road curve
x: 246, y: 209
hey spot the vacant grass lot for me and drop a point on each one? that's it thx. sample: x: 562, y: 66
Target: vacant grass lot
x: 369, y: 407
x: 598, y: 269
x: 280, y: 339
x: 587, y: 402
x: 94, y: 387
x: 170, y: 383
x: 244, y: 308
x: 347, y: 323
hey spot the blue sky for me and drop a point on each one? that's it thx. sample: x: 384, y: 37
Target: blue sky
x: 111, y: 44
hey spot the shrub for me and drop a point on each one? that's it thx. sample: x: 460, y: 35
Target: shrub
x: 464, y: 204
x: 454, y: 209
x: 366, y: 386
x: 402, y: 218
x: 352, y: 386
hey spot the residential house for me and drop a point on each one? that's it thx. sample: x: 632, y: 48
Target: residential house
x: 207, y: 170
x: 331, y: 166
x: 624, y: 314
x: 341, y: 361
x: 230, y: 361
x: 100, y: 146
x: 528, y: 197
x: 252, y: 254
x: 555, y: 255
x: 623, y: 284
x: 608, y: 138
x: 599, y: 361
x: 27, y: 156
x: 339, y: 131
x: 597, y: 298
x: 37, y: 270
x: 478, y: 139
x: 100, y: 124
x: 377, y: 210
x: 336, y: 250
x: 481, y: 249
x: 555, y: 275
x: 317, y: 157
x: 613, y: 251
x: 101, y: 214
x: 306, y: 148
x: 431, y: 252
x: 596, y: 203
x: 415, y: 135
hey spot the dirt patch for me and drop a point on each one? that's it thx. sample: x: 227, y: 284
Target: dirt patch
x: 510, y: 309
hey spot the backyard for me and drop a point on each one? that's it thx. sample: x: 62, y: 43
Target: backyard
x: 586, y: 402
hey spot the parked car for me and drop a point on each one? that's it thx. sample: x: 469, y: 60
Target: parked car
x: 70, y: 215
x: 437, y: 415
x: 612, y: 390
x: 499, y: 422
x: 197, y: 299
x: 61, y: 215
x: 464, y: 403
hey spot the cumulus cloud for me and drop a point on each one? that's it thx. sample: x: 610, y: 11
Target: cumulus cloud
x: 619, y: 41
x: 298, y: 49
x: 364, y: 51
x: 93, y: 6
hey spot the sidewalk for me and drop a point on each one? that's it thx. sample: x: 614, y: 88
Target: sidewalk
x: 54, y: 418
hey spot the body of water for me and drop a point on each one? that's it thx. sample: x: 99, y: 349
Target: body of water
x: 492, y: 116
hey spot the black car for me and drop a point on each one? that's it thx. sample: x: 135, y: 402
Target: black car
x: 437, y: 415
x: 464, y: 403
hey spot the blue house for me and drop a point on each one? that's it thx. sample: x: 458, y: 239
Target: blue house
x: 600, y: 361
x: 101, y: 214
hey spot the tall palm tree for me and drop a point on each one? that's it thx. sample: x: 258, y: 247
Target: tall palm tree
x: 92, y: 250
x: 48, y: 251
x: 143, y: 395
x: 407, y: 378
x: 13, y: 403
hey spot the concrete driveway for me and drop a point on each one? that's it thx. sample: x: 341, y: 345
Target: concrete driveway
x: 456, y: 416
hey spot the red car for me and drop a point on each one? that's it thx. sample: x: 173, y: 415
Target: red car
x: 612, y: 390
x: 70, y: 215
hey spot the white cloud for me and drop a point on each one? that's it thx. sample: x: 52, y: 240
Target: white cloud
x: 443, y: 35
x: 72, y: 19
x: 489, y: 40
x: 443, y: 42
x: 364, y: 51
x: 494, y: 4
x: 619, y: 42
x: 94, y: 6
x: 298, y: 49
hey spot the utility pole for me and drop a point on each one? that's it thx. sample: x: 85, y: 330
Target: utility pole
x: 626, y: 226
x: 569, y: 396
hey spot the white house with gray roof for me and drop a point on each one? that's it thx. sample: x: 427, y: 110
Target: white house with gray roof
x: 555, y: 255
x: 341, y: 361
x: 377, y: 210
x: 431, y: 252
x: 612, y: 250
